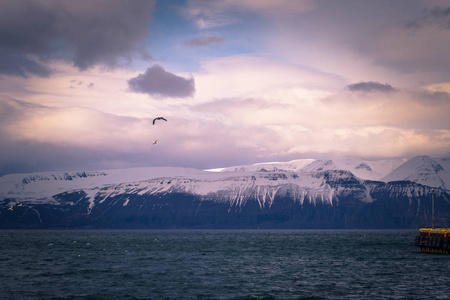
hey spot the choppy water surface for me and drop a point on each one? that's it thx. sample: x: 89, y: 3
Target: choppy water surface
x: 219, y: 265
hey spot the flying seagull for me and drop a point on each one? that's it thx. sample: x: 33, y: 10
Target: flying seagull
x: 154, y: 143
x: 158, y: 118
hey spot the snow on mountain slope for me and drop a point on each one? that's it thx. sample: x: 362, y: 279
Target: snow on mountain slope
x: 231, y: 187
x: 445, y: 174
x: 384, y: 167
x: 320, y: 165
x: 304, y: 178
x: 423, y: 170
x: 364, y: 169
x: 290, y: 166
x: 35, y: 186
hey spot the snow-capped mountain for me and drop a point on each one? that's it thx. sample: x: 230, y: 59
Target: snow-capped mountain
x: 364, y: 169
x: 423, y: 170
x: 290, y: 166
x: 42, y: 186
x: 295, y: 194
x: 234, y: 187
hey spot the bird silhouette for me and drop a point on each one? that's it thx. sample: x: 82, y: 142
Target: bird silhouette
x: 154, y: 143
x: 158, y: 118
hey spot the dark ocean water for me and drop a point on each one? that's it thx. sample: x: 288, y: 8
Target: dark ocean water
x: 256, y: 264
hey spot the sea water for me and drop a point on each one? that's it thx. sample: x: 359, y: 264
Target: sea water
x: 254, y: 264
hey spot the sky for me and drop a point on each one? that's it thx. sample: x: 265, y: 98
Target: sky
x: 239, y: 82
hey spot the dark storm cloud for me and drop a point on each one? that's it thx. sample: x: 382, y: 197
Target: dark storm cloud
x: 442, y: 13
x: 438, y: 16
x: 370, y: 86
x: 87, y: 33
x: 204, y: 41
x: 158, y: 82
x: 16, y: 64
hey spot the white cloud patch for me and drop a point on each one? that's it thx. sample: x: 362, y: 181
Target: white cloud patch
x: 253, y: 76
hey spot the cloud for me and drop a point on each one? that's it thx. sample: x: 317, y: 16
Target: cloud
x: 159, y: 83
x: 36, y: 137
x: 224, y: 131
x: 86, y: 33
x: 341, y: 128
x: 438, y: 16
x: 351, y: 123
x: 271, y: 7
x: 12, y: 63
x: 371, y: 86
x: 443, y: 87
x: 204, y: 41
x: 256, y: 76
x: 419, y: 45
x: 71, y: 126
x: 208, y: 14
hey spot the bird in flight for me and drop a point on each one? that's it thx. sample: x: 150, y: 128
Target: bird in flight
x: 158, y: 118
x: 154, y: 143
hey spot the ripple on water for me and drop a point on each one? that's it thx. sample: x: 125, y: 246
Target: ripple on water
x: 218, y: 264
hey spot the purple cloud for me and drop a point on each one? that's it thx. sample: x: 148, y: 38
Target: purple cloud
x: 158, y: 82
x: 86, y: 33
x: 438, y: 16
x: 371, y: 86
x: 204, y: 41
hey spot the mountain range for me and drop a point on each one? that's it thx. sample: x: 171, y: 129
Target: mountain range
x: 304, y: 193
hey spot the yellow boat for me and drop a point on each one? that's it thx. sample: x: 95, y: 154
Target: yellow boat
x: 433, y: 240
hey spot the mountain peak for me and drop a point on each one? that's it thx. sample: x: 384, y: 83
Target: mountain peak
x: 364, y: 169
x: 421, y: 169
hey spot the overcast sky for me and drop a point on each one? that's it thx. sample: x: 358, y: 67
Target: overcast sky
x: 239, y: 82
